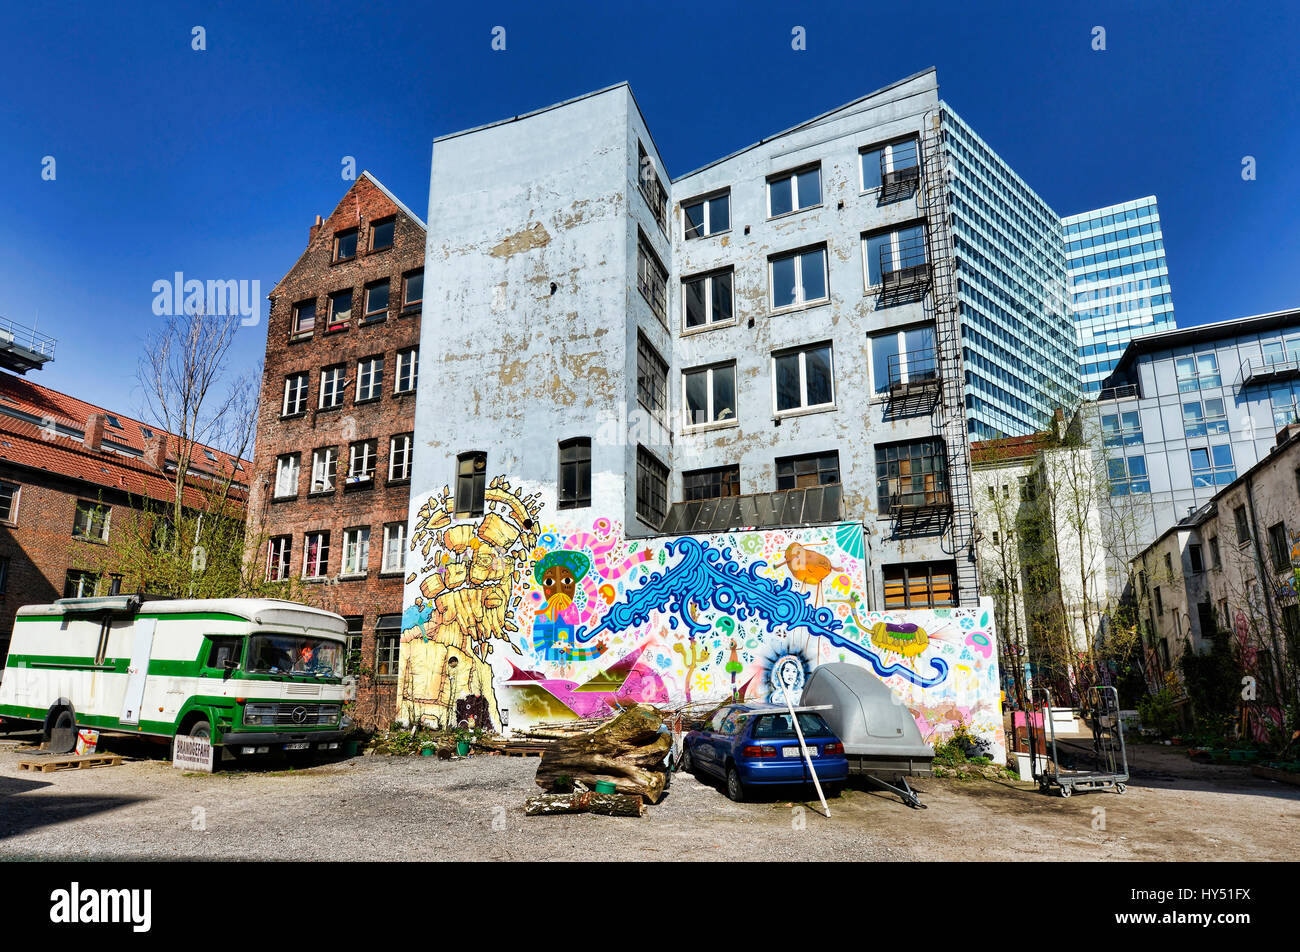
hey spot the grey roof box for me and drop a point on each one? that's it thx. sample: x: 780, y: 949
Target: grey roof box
x: 879, y: 733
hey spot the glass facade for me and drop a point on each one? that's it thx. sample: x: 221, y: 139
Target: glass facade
x: 1018, y: 338
x: 1119, y: 283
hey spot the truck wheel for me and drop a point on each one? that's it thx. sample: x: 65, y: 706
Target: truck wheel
x: 63, y: 734
x: 201, y: 729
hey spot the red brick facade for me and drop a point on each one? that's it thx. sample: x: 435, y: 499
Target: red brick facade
x: 298, y: 506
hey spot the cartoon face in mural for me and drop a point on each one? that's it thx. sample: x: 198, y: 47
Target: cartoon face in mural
x: 736, y: 615
x: 558, y: 573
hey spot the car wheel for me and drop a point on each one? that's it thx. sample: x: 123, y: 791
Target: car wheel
x: 833, y: 790
x: 735, y: 789
x: 686, y: 764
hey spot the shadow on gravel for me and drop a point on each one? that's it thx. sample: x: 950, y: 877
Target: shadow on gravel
x: 21, y: 814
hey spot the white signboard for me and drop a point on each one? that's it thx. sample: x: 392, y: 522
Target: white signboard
x: 192, y: 753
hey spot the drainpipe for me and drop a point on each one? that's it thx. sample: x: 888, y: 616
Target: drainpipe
x: 1266, y: 581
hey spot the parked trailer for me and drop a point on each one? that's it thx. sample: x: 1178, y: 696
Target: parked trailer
x: 251, y: 675
x: 881, y: 740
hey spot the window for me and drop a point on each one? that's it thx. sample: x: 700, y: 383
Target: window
x: 370, y: 378
x: 1197, y: 373
x: 340, y: 310
x: 352, y: 663
x: 412, y: 289
x: 377, y: 300
x: 702, y: 217
x: 651, y: 278
x: 710, y: 394
x: 295, y: 394
x: 910, y: 475
x: 1212, y: 466
x: 651, y: 379
x: 798, y: 278
x: 801, y: 379
x: 1243, y: 525
x: 802, y: 472
x: 1216, y: 560
x: 9, y: 496
x: 324, y: 468
x: 471, y: 471
x: 1160, y: 602
x: 78, y: 584
x: 388, y: 643
x: 90, y: 521
x: 381, y: 234
x: 901, y: 357
x: 1204, y: 418
x: 278, y: 553
x: 394, y: 557
x: 1121, y: 429
x: 1169, y: 565
x: 286, y: 475
x: 4, y: 574
x: 345, y: 245
x: 715, y: 483
x: 316, y: 555
x: 891, y: 253
x: 1128, y: 475
x: 361, y: 462
x: 707, y: 299
x: 1279, y: 547
x: 356, y: 550
x: 408, y: 367
x: 651, y: 188
x: 575, y: 473
x: 399, y: 457
x: 1195, y: 559
x: 332, y: 383
x: 920, y: 585
x: 304, y: 318
x: 794, y: 191
x: 651, y: 488
x: 895, y: 161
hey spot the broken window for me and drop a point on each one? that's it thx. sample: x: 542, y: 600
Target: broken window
x: 652, y: 279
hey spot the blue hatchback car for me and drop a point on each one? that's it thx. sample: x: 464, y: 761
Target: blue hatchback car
x: 749, y: 745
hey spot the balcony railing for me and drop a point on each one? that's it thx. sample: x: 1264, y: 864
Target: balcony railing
x: 1268, y: 369
x: 916, y: 370
x: 904, y: 264
x: 23, y: 348
x: 899, y: 168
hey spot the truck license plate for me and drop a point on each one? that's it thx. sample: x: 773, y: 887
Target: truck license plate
x: 795, y: 752
x: 299, y: 746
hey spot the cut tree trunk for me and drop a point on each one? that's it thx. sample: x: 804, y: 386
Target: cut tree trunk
x: 628, y: 752
x: 604, y: 804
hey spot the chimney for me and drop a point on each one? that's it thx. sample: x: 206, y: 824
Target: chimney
x: 155, y: 451
x: 94, y: 434
x: 1287, y: 432
x: 313, y: 230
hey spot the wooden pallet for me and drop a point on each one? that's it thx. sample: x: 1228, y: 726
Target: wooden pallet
x: 48, y: 764
x: 524, y: 750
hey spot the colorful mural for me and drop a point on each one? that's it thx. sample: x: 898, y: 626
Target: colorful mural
x: 553, y: 622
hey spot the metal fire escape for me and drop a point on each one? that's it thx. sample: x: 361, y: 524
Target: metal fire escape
x: 945, y: 309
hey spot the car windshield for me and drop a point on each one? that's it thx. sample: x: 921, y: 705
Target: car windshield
x: 779, y: 726
x: 295, y: 654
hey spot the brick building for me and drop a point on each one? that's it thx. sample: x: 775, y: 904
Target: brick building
x: 67, y: 468
x: 336, y: 425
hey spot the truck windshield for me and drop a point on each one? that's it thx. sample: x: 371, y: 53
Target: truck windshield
x: 295, y: 654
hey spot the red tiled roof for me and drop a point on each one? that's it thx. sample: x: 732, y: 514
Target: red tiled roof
x: 1009, y: 448
x: 40, y: 446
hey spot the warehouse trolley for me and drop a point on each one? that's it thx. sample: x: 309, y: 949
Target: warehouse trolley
x: 1107, y: 760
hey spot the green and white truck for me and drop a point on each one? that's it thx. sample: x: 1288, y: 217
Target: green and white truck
x: 252, y: 676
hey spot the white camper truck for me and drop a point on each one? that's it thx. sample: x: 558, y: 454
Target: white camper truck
x: 252, y: 675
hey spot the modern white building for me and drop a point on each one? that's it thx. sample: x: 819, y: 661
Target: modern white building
x: 1119, y: 283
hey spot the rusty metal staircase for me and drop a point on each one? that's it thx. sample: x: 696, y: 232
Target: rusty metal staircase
x: 932, y: 198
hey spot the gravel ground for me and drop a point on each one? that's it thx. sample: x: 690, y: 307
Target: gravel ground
x: 420, y: 808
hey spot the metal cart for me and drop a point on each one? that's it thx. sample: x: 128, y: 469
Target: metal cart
x: 1107, y: 761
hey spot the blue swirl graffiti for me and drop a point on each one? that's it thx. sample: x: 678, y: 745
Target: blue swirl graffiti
x: 710, y: 578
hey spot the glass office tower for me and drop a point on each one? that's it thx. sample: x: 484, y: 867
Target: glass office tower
x: 1018, y: 335
x: 1119, y: 283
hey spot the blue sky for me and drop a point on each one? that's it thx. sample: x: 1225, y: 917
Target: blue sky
x: 215, y: 163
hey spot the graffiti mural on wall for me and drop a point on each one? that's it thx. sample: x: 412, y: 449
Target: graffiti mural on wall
x: 584, y: 621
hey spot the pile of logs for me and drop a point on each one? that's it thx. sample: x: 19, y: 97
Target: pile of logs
x: 628, y: 751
